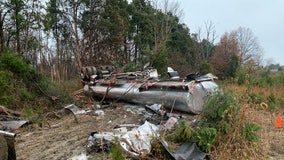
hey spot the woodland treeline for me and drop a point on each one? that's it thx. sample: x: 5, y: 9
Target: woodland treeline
x: 58, y: 37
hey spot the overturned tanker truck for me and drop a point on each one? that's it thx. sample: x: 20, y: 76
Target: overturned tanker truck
x: 144, y: 87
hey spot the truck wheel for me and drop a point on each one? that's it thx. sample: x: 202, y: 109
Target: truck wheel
x: 3, y: 148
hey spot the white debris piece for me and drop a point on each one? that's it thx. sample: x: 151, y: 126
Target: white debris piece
x: 82, y: 156
x: 138, y: 141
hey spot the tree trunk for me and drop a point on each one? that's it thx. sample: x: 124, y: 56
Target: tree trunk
x: 77, y: 40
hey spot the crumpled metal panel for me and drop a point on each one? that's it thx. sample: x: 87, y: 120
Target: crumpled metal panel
x: 182, y: 96
x: 187, y: 151
x: 13, y: 125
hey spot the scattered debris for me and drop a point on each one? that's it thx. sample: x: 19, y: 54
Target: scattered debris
x: 71, y: 108
x: 10, y: 121
x: 156, y: 108
x: 170, y: 123
x: 82, y: 156
x: 99, y: 112
x: 173, y: 74
x: 136, y: 141
x: 99, y: 142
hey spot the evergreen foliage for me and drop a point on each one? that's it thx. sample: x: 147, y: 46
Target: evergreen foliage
x: 233, y: 67
x: 160, y: 62
x: 221, y: 106
x: 205, y: 68
x: 206, y: 138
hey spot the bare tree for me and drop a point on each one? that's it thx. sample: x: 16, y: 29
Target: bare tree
x: 75, y: 9
x: 210, y: 37
x: 210, y: 32
x: 2, y: 40
x: 206, y: 39
x: 248, y: 45
x: 163, y: 28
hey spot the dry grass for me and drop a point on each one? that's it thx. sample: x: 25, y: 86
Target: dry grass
x: 271, y: 144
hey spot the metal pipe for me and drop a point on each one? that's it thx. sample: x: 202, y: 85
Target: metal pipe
x: 9, y: 134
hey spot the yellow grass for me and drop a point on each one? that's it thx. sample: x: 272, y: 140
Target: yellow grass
x: 271, y: 144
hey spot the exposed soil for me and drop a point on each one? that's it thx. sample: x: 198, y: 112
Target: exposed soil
x: 64, y: 138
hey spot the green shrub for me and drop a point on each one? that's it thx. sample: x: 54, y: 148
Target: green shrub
x: 5, y: 87
x: 224, y: 127
x: 281, y: 78
x: 263, y: 79
x: 205, y: 138
x: 160, y: 61
x: 14, y: 63
x: 131, y: 67
x: 280, y: 102
x: 5, y: 81
x: 30, y: 113
x: 205, y: 68
x: 241, y: 77
x: 219, y: 106
x: 6, y: 100
x: 255, y: 98
x: 182, y: 132
x: 234, y: 64
x: 250, y: 132
x: 271, y: 99
x: 25, y: 94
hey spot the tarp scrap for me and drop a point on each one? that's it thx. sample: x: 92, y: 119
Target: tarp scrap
x: 187, y: 151
x: 138, y: 141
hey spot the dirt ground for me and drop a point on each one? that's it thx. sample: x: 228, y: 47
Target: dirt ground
x: 64, y: 138
x: 272, y: 138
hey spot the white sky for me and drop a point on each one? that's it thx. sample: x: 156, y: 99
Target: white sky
x: 264, y: 17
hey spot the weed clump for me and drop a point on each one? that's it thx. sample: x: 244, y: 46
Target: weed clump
x: 250, y: 131
x: 225, y: 130
x: 205, y: 138
x: 116, y: 151
x: 181, y: 133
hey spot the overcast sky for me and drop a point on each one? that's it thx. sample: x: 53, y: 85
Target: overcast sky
x: 264, y: 17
